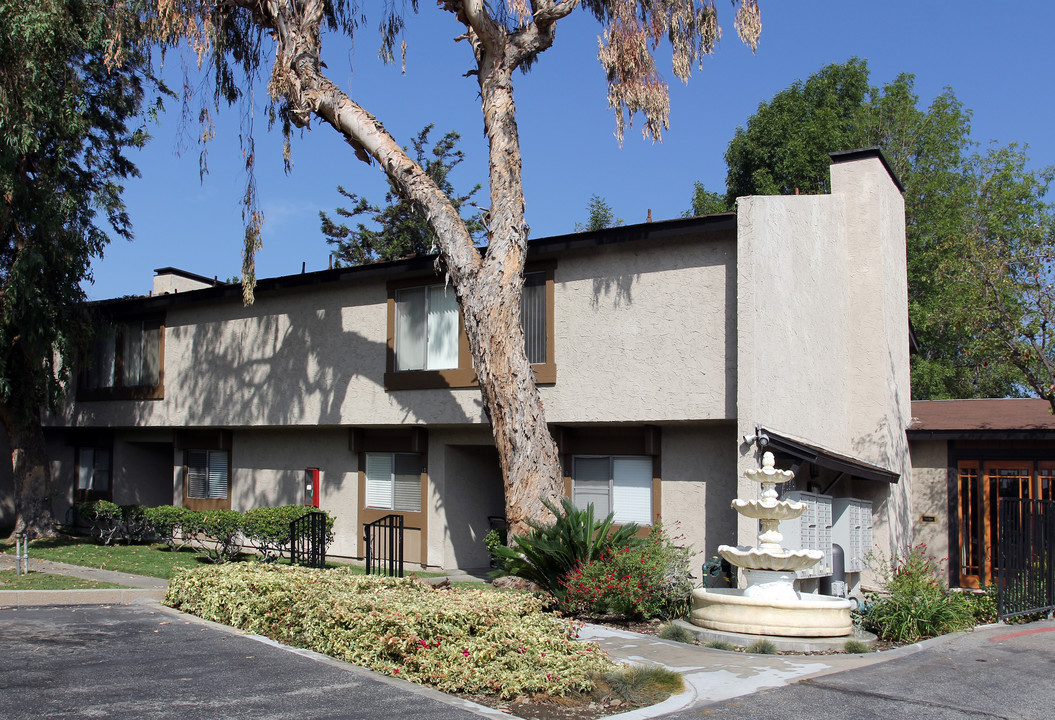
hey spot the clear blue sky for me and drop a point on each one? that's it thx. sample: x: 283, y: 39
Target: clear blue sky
x: 998, y: 57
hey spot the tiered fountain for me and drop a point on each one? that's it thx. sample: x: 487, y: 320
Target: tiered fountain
x: 769, y: 604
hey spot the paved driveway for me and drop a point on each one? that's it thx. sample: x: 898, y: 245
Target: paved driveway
x: 140, y: 662
x: 998, y: 672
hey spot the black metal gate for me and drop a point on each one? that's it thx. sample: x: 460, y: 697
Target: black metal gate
x: 307, y: 540
x: 384, y: 546
x: 1026, y: 575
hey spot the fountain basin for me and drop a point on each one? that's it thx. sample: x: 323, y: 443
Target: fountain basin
x: 729, y: 610
x: 751, y: 558
x: 769, y: 509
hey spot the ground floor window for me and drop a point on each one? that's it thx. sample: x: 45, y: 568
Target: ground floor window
x: 93, y: 473
x: 393, y: 481
x: 207, y: 474
x: 619, y: 484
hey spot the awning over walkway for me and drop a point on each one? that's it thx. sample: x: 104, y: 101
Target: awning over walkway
x: 781, y: 445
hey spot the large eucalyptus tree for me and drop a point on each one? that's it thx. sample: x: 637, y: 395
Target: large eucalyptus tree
x: 502, y: 36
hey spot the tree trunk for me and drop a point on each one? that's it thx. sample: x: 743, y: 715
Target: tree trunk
x: 489, y: 289
x: 31, y: 471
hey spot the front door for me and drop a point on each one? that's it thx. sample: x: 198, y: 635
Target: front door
x: 981, y: 485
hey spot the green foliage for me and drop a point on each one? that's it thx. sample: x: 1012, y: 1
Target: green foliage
x: 855, y: 647
x: 647, y: 580
x: 677, y: 633
x: 453, y: 639
x: 720, y: 645
x: 173, y: 525
x: 784, y: 148
x: 402, y: 228
x: 913, y: 604
x: 222, y: 531
x: 547, y: 554
x: 103, y: 518
x: 268, y: 528
x: 705, y: 202
x: 762, y: 647
x: 68, y: 121
x: 638, y: 685
x: 601, y: 216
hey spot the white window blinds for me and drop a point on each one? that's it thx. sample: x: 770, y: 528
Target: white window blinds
x: 443, y: 328
x: 207, y: 474
x: 618, y: 484
x: 533, y: 316
x: 393, y: 481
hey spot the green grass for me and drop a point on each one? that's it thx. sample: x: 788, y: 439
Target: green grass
x: 639, y: 684
x: 855, y: 646
x: 11, y: 580
x: 720, y: 645
x: 150, y: 560
x: 676, y: 633
x: 762, y: 647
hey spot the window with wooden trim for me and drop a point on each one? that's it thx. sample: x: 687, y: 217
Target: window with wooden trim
x: 207, y: 474
x: 393, y: 481
x: 125, y: 361
x: 427, y: 344
x: 619, y: 484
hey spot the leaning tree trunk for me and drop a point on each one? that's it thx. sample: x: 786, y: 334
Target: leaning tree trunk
x: 31, y: 471
x: 489, y: 289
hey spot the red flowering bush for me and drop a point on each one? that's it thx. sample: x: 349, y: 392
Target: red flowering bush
x: 644, y: 581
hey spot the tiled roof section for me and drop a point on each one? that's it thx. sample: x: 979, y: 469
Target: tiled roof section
x: 988, y: 414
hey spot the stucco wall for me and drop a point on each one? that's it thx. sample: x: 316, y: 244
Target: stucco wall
x: 642, y: 331
x: 822, y: 329
x: 930, y: 495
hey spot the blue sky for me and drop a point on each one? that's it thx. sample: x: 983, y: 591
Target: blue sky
x: 997, y: 57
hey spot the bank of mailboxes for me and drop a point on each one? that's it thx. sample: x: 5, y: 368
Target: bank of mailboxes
x: 846, y: 522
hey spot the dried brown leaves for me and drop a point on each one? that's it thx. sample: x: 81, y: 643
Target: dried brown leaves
x: 629, y: 41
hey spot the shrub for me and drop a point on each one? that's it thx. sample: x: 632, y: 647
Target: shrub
x: 222, y: 531
x: 912, y: 603
x: 454, y: 639
x: 172, y: 525
x: 720, y: 645
x: 855, y: 646
x: 644, y: 581
x: 135, y: 524
x: 103, y: 518
x: 268, y: 528
x: 677, y: 633
x: 762, y: 647
x: 640, y: 684
x: 547, y: 554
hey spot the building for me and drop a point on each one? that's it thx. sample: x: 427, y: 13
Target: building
x: 661, y: 348
x: 966, y: 455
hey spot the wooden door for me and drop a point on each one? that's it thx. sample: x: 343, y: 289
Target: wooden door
x: 981, y: 485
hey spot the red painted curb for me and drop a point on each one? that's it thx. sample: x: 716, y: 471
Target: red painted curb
x: 1020, y: 633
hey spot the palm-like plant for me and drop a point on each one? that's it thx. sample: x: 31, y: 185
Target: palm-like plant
x: 550, y: 551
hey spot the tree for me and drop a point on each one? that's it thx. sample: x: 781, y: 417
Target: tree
x: 502, y: 37
x: 65, y: 119
x: 705, y: 202
x: 404, y: 230
x: 601, y: 216
x: 1009, y: 265
x: 784, y: 149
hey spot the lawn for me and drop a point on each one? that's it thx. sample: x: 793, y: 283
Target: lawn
x: 11, y: 580
x: 150, y: 560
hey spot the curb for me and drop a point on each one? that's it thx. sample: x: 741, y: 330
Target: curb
x: 116, y: 596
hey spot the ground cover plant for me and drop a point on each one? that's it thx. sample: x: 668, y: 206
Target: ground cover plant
x: 913, y: 603
x: 11, y: 580
x: 454, y: 639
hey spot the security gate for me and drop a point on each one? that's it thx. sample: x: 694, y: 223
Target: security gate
x: 1026, y: 578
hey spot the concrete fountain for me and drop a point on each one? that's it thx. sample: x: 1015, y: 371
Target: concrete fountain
x: 769, y: 603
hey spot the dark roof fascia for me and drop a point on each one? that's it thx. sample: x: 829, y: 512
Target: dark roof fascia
x: 422, y: 264
x: 186, y: 274
x: 827, y: 459
x: 842, y: 156
x: 1045, y: 434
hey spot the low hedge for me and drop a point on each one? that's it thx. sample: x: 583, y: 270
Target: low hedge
x: 454, y: 639
x: 220, y: 535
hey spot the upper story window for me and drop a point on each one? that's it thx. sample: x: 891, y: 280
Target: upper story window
x: 427, y: 343
x: 125, y: 361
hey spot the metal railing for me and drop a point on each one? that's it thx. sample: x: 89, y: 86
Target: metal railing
x: 1026, y: 570
x: 307, y: 540
x: 384, y: 546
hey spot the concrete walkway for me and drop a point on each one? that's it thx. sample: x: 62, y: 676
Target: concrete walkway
x: 710, y: 675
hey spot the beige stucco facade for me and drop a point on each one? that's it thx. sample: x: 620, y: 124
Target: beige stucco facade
x: 671, y: 340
